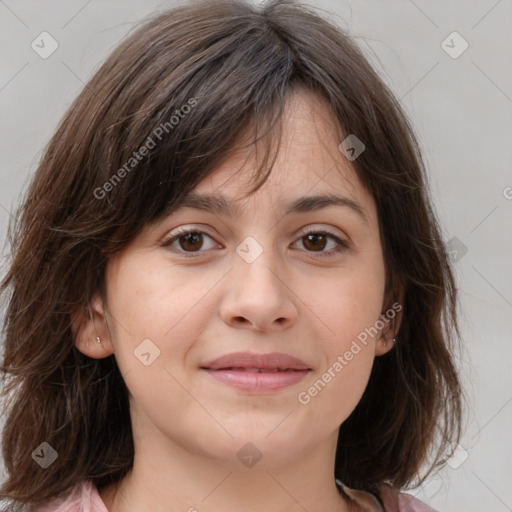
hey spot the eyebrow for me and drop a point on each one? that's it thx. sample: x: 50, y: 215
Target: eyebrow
x: 220, y: 205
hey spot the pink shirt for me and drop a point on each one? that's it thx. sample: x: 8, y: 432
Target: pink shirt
x: 393, y: 501
x: 85, y: 498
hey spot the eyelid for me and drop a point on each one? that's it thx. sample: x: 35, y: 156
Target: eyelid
x: 315, y: 228
x: 182, y: 231
x: 343, y: 244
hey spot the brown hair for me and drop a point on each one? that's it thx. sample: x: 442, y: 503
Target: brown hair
x: 234, y: 65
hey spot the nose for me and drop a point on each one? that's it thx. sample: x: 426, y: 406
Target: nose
x: 258, y: 296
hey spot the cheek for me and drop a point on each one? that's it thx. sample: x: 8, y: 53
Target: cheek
x: 345, y: 304
x: 339, y: 386
x: 156, y: 309
x: 347, y: 309
x: 157, y: 314
x: 156, y: 300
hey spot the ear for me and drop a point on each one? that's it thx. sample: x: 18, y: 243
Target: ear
x: 89, y: 323
x: 391, y: 317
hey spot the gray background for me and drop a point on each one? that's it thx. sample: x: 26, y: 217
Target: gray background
x: 461, y: 108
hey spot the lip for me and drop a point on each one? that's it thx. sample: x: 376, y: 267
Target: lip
x: 257, y: 372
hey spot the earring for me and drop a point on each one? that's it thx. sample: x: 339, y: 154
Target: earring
x: 385, y: 341
x: 98, y: 339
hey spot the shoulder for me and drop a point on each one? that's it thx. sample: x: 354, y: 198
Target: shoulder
x: 388, y: 500
x: 83, y: 498
x: 395, y: 501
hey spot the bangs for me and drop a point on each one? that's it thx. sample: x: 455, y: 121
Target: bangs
x: 165, y: 131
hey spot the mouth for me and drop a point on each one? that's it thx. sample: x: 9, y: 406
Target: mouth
x: 257, y: 379
x: 257, y: 372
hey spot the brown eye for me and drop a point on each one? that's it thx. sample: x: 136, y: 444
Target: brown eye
x: 315, y: 241
x: 191, y: 241
x: 318, y: 241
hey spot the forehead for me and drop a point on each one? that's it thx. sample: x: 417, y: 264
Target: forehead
x: 308, y: 162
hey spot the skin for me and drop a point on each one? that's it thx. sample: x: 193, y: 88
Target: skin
x: 187, y: 426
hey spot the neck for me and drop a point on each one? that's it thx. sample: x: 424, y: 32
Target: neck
x: 221, y: 470
x: 190, y: 482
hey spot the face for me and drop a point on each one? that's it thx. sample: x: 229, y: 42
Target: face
x: 258, y: 280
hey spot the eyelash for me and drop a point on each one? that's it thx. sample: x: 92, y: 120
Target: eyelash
x: 343, y: 246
